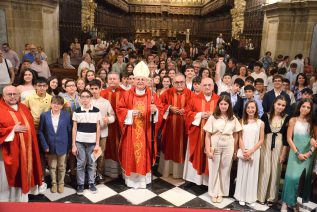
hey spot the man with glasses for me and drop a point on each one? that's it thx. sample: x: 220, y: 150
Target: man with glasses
x: 136, y: 109
x: 270, y: 96
x: 174, y: 136
x: 20, y: 162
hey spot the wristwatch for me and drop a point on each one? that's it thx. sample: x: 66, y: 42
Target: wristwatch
x: 297, y: 153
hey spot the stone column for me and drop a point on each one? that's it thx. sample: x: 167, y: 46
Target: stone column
x: 33, y: 22
x: 288, y: 28
x: 237, y: 14
x: 187, y: 35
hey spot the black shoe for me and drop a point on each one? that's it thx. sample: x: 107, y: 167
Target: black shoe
x: 156, y: 173
x: 80, y: 190
x: 188, y: 184
x: 92, y: 188
x: 99, y: 179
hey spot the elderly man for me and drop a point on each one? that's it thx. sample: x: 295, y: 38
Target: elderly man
x: 174, y: 136
x: 196, y: 115
x: 41, y: 67
x: 20, y: 165
x: 135, y: 111
x: 113, y: 94
x: 6, y: 72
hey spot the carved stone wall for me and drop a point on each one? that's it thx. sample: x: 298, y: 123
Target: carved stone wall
x: 237, y: 14
x: 33, y: 22
x: 288, y: 28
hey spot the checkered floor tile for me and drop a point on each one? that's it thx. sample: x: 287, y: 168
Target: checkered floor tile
x: 165, y: 192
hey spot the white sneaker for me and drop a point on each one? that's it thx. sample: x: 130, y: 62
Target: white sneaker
x: 42, y: 188
x: 241, y: 203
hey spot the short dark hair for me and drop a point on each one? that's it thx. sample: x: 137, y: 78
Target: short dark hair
x: 249, y: 88
x: 58, y: 99
x: 5, y: 44
x: 239, y: 82
x: 69, y: 80
x: 293, y: 65
x: 189, y: 67
x: 85, y: 91
x: 95, y: 82
x: 285, y: 80
x: 277, y: 76
x: 259, y: 80
x: 196, y: 80
x: 249, y: 79
x: 258, y: 63
x: 41, y: 80
x: 307, y: 91
x: 227, y: 74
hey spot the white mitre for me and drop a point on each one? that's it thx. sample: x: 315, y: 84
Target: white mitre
x: 141, y: 70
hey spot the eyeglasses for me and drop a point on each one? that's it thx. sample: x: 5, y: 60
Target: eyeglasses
x: 42, y: 85
x: 71, y: 85
x: 12, y: 94
x: 179, y: 82
x: 84, y: 97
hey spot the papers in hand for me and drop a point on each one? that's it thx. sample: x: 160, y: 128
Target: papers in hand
x: 96, y: 154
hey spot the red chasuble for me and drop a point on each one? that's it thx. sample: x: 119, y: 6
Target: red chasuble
x: 21, y: 155
x: 196, y: 134
x: 114, y: 133
x: 135, y: 143
x: 174, y: 135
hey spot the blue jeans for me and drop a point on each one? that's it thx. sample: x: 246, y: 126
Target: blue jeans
x: 83, y: 159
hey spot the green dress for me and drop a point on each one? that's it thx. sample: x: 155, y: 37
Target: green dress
x: 295, y: 167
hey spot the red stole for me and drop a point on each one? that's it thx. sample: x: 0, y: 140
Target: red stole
x: 174, y: 135
x: 196, y: 134
x: 135, y: 144
x: 114, y: 133
x: 21, y: 156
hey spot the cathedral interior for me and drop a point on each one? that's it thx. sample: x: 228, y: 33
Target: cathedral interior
x: 285, y: 27
x: 280, y: 26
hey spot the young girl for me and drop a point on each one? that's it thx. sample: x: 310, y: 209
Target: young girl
x: 300, y: 135
x: 26, y: 83
x: 301, y: 82
x: 53, y: 88
x: 80, y: 84
x: 166, y: 84
x: 221, y: 138
x: 273, y: 151
x: 90, y: 76
x: 55, y: 138
x: 250, y: 140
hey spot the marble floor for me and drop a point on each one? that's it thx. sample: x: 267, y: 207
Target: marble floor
x: 165, y: 192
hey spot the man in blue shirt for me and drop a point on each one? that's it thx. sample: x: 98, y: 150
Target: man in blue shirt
x: 31, y: 55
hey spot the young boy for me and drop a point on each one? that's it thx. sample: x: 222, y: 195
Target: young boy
x: 249, y: 95
x: 259, y: 89
x: 292, y: 75
x: 107, y: 117
x: 55, y: 138
x: 258, y: 72
x: 248, y: 81
x: 125, y: 81
x: 287, y: 89
x: 196, y: 85
x: 38, y: 103
x: 224, y: 83
x: 71, y: 95
x: 236, y: 100
x: 85, y: 140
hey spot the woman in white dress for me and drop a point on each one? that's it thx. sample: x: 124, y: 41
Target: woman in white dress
x: 221, y: 143
x: 250, y: 140
x: 27, y: 80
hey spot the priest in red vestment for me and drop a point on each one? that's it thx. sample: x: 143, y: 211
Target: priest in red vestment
x: 134, y: 113
x: 174, y: 134
x: 20, y: 164
x: 196, y: 115
x: 113, y: 94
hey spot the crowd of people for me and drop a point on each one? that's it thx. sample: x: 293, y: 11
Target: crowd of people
x: 196, y: 113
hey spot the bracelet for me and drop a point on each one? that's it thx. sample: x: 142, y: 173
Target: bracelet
x: 297, y: 153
